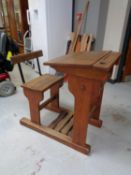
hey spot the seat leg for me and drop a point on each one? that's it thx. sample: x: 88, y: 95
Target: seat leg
x: 34, y: 99
x: 54, y: 92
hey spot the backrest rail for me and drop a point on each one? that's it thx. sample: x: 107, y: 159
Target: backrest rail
x: 25, y: 57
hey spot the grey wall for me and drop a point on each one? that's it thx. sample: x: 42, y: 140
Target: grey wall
x: 96, y: 19
x: 101, y: 24
x: 92, y: 15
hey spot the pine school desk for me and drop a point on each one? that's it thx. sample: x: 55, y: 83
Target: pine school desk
x: 87, y: 73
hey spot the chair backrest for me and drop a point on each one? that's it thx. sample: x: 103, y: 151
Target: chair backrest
x: 17, y: 59
x: 26, y: 56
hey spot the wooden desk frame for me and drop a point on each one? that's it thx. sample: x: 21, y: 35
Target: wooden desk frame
x: 87, y: 86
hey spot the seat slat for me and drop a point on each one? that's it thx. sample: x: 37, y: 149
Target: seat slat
x: 42, y: 83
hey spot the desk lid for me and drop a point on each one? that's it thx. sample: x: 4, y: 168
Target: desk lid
x: 101, y: 60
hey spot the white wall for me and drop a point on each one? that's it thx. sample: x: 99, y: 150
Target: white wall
x: 50, y: 27
x: 59, y: 20
x: 59, y: 26
x: 115, y: 26
x: 39, y: 29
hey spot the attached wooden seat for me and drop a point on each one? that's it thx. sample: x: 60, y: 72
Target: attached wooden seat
x: 42, y: 83
x: 34, y: 90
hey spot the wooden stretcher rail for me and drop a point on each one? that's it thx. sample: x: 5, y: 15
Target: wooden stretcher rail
x: 47, y: 102
x: 55, y: 135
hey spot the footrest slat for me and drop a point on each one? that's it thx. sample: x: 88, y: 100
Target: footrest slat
x: 57, y: 120
x: 68, y: 127
x: 63, y: 122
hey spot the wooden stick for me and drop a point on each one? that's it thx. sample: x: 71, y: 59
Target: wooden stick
x: 73, y: 44
x: 91, y: 38
x: 84, y: 40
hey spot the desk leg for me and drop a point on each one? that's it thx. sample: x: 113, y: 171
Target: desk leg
x: 97, y: 94
x: 81, y: 88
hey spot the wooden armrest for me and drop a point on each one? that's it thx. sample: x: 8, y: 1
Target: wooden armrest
x: 26, y: 56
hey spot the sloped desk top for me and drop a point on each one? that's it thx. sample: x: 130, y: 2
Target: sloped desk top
x: 94, y: 65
